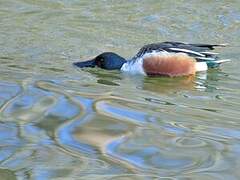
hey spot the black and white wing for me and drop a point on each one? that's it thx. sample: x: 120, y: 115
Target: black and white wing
x: 201, y: 52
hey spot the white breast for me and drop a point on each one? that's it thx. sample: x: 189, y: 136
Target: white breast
x: 134, y: 67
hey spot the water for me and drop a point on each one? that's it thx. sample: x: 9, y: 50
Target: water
x: 59, y: 122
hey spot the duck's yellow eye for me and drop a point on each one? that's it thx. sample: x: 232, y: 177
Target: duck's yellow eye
x: 100, y: 62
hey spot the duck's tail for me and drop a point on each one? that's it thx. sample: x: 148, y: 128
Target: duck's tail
x: 216, y: 63
x: 210, y: 46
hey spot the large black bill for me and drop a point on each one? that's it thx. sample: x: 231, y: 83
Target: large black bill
x: 90, y: 63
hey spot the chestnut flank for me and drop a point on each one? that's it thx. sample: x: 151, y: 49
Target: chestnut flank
x: 171, y: 65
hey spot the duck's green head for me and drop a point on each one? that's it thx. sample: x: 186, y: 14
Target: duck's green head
x: 106, y: 60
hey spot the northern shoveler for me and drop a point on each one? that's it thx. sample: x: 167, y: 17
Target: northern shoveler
x: 166, y: 59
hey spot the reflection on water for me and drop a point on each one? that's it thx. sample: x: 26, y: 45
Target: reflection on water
x: 60, y: 122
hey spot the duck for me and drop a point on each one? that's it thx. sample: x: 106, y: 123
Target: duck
x: 172, y: 59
